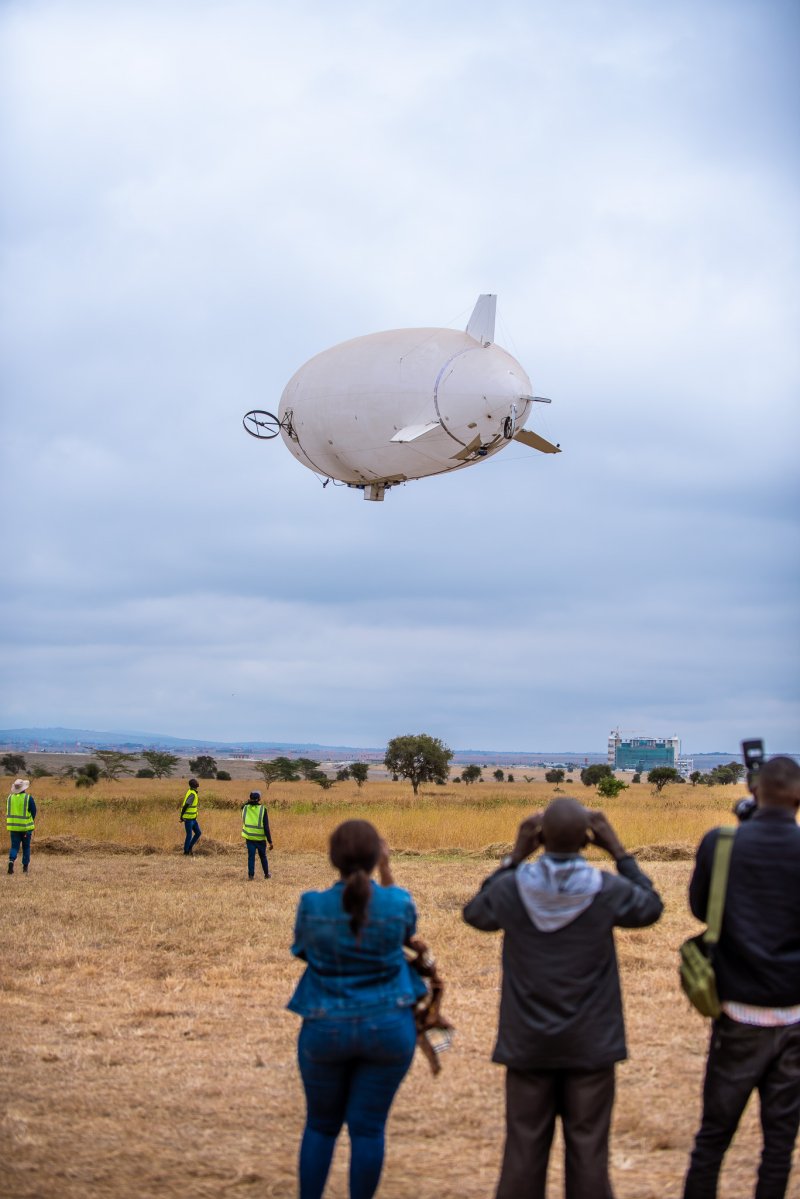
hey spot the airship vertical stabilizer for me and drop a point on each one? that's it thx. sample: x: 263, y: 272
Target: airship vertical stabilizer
x: 481, y: 323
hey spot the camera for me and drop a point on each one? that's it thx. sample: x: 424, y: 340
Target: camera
x: 753, y: 754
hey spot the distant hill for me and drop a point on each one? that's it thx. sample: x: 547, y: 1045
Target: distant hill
x: 63, y: 740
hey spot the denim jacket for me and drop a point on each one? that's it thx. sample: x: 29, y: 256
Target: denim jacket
x: 345, y: 977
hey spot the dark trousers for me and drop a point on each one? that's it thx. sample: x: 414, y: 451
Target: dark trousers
x: 193, y: 835
x: 583, y: 1100
x: 260, y: 848
x: 741, y: 1059
x: 17, y: 840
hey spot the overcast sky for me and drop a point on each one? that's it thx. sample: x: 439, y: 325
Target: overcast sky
x: 199, y: 196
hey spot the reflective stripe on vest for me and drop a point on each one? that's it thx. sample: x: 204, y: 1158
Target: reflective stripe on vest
x: 18, y: 816
x: 189, y: 811
x: 253, y: 816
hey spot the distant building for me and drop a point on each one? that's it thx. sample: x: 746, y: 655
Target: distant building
x: 634, y: 752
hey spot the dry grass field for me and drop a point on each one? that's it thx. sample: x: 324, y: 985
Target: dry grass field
x: 145, y: 1046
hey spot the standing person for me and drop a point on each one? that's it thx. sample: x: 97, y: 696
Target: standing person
x: 755, y: 1042
x: 561, y: 1028
x: 189, y: 818
x: 20, y: 816
x: 255, y: 830
x: 356, y: 998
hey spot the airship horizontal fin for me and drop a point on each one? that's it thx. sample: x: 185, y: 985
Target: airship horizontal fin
x: 412, y: 432
x: 536, y: 442
x: 481, y: 323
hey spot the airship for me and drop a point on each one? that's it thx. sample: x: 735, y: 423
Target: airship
x: 387, y: 408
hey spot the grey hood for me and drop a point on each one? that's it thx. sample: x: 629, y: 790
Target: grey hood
x: 557, y: 888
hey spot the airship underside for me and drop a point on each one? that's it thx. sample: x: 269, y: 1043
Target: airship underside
x: 391, y: 407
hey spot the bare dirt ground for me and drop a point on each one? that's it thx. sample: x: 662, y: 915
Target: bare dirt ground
x: 145, y: 1049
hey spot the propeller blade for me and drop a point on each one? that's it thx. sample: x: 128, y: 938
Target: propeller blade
x: 536, y: 442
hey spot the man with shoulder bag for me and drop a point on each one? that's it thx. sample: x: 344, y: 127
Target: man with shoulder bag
x: 755, y: 1037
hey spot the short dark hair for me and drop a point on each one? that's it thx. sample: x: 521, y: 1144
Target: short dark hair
x: 778, y: 781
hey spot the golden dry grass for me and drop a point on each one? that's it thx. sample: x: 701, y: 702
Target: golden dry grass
x: 146, y: 1049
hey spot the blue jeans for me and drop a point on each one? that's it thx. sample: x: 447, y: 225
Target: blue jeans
x: 351, y: 1069
x: 260, y: 848
x: 193, y: 834
x: 23, y: 839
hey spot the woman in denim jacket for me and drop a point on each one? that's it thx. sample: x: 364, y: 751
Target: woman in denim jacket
x: 356, y: 998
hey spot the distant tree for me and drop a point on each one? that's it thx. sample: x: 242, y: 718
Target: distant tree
x: 359, y: 771
x: 456, y: 778
x: 13, y: 763
x: 269, y: 771
x: 659, y: 776
x: 307, y: 767
x: 224, y: 776
x: 510, y: 778
x: 591, y: 775
x: 320, y: 778
x: 695, y: 777
x: 637, y: 778
x: 610, y: 788
x: 40, y: 772
x: 725, y: 775
x: 204, y: 766
x: 285, y: 770
x: 146, y: 772
x: 499, y: 777
x: 419, y: 758
x: 113, y: 762
x: 87, y: 775
x: 343, y: 774
x: 554, y: 776
x: 471, y: 774
x: 161, y: 763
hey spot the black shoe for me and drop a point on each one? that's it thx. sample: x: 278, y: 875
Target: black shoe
x: 24, y: 869
x: 10, y: 867
x: 268, y: 875
x: 251, y: 878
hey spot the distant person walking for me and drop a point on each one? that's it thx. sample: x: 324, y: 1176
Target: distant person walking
x: 189, y: 818
x: 561, y: 1029
x: 755, y: 1042
x: 356, y: 998
x: 20, y: 815
x: 255, y: 830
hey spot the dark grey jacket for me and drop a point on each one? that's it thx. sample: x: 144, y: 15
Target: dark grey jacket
x: 560, y: 1006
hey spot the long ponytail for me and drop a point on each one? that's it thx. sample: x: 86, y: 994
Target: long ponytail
x: 354, y: 851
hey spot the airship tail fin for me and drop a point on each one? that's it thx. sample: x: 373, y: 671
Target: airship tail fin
x: 481, y: 323
x: 536, y: 442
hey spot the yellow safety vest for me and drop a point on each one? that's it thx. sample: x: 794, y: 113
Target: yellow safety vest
x: 253, y: 816
x: 189, y: 810
x: 18, y: 816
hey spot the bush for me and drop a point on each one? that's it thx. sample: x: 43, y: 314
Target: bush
x: 610, y: 788
x: 145, y: 773
x: 591, y: 775
x: 223, y: 776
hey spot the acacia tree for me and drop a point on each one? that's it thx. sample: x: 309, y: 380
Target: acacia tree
x: 471, y: 774
x: 659, y: 776
x: 499, y: 776
x: 591, y: 775
x: 204, y: 766
x: 554, y: 776
x: 161, y: 763
x: 359, y: 772
x: 269, y: 772
x: 419, y: 758
x: 13, y: 763
x: 112, y: 762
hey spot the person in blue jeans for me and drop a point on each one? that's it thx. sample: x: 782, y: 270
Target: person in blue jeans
x: 357, y: 998
x: 192, y: 833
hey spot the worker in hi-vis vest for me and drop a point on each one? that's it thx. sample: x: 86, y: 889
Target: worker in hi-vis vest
x: 255, y: 830
x: 189, y: 818
x: 20, y: 815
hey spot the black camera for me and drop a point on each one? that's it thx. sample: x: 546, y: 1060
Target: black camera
x: 753, y: 753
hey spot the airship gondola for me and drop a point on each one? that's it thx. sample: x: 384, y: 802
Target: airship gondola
x: 391, y: 407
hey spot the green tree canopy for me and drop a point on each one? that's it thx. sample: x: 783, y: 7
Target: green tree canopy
x: 269, y: 772
x: 554, y: 776
x: 162, y: 764
x: 659, y: 776
x: 87, y: 775
x: 609, y: 787
x: 204, y: 766
x: 499, y: 776
x: 731, y: 773
x: 359, y: 771
x: 13, y: 763
x: 285, y: 770
x: 591, y: 775
x: 419, y: 758
x: 113, y: 763
x: 471, y: 774
x: 307, y: 767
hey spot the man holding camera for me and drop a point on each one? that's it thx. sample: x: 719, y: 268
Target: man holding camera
x: 561, y: 1029
x: 755, y: 1042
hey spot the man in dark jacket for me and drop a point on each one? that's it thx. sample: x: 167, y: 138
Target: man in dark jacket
x: 561, y: 1029
x: 755, y: 1043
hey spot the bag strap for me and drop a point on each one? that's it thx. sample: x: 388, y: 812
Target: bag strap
x: 719, y: 884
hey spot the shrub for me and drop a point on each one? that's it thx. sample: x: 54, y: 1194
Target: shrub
x: 145, y: 773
